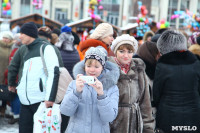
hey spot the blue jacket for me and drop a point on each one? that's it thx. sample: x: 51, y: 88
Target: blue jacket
x: 88, y: 112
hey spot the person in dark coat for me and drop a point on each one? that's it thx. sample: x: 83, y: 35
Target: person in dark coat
x: 68, y: 52
x: 176, y: 87
x: 149, y: 53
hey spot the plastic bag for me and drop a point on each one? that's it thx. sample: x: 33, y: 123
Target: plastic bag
x: 47, y: 120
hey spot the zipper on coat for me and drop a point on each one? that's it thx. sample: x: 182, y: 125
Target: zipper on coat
x: 26, y: 84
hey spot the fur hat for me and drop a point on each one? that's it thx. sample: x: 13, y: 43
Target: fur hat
x: 98, y: 53
x: 171, y: 40
x: 8, y: 35
x: 124, y: 39
x: 148, y: 34
x: 30, y: 29
x: 101, y: 31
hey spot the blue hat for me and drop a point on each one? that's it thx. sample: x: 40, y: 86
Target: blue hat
x: 66, y: 29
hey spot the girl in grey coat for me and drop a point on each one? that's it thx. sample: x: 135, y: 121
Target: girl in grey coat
x: 92, y: 106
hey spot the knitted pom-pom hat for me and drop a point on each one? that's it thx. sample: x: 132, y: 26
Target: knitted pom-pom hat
x: 97, y: 53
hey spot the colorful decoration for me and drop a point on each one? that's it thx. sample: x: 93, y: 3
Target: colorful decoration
x: 37, y: 3
x: 141, y: 29
x: 142, y: 13
x: 163, y: 24
x: 93, y: 8
x: 6, y: 8
x: 142, y: 20
x: 191, y: 20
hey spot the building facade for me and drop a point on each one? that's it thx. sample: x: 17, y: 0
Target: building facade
x: 117, y: 12
x: 164, y: 9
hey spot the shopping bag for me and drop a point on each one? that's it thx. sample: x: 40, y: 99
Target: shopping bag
x: 47, y: 120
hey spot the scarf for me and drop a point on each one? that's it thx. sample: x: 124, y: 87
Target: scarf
x: 125, y: 68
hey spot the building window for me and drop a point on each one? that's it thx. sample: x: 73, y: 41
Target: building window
x: 110, y: 2
x: 173, y: 6
x: 113, y: 19
x: 111, y: 11
x: 198, y: 8
x: 61, y: 15
x: 39, y: 11
x: 25, y: 7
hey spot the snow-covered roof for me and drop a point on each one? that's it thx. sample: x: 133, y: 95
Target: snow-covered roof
x: 85, y: 20
x: 129, y: 26
x: 78, y: 21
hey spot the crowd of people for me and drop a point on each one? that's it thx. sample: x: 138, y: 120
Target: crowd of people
x: 138, y: 88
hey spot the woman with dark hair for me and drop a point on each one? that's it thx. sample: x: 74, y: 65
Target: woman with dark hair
x: 149, y: 53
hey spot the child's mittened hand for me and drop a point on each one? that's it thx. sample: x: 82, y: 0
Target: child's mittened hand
x: 79, y: 83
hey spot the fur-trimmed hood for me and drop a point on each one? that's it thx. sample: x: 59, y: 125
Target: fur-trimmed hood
x: 148, y: 34
x: 109, y: 76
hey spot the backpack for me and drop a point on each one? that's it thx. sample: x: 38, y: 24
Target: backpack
x: 63, y: 82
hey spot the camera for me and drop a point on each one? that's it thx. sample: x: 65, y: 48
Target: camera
x: 88, y: 79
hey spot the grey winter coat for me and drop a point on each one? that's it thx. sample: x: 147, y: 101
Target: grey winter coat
x: 88, y: 112
x: 134, y: 113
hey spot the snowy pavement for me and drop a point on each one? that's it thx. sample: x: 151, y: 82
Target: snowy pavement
x: 8, y: 128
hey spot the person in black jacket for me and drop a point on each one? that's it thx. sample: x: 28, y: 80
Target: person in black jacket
x: 176, y: 87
